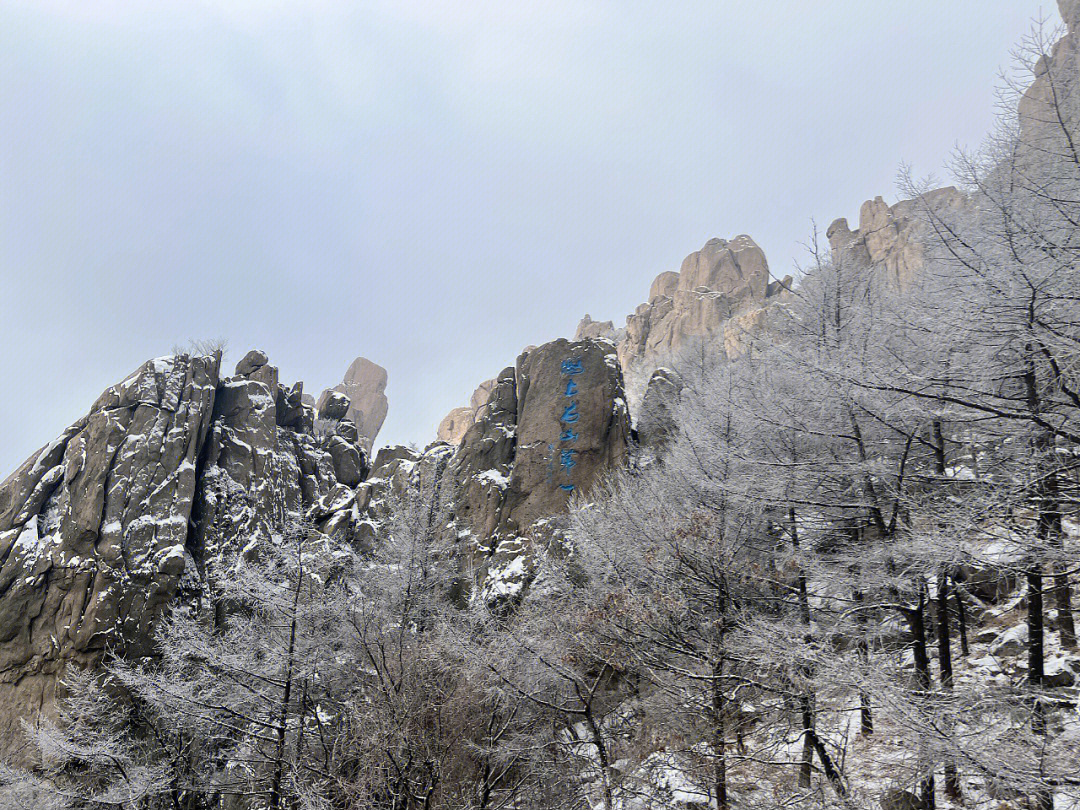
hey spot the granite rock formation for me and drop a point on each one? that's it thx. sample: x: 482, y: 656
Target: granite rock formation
x: 177, y: 473
x: 94, y: 530
x: 552, y: 426
x: 147, y: 498
x: 454, y: 425
x: 720, y: 292
x: 891, y: 239
x: 588, y: 328
x: 365, y: 386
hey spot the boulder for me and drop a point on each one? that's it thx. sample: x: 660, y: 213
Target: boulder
x: 335, y: 406
x: 390, y: 454
x: 481, y: 466
x: 365, y: 386
x: 1057, y: 674
x: 94, y: 530
x: 348, y: 461
x: 1010, y: 642
x: 900, y: 800
x: 346, y: 429
x: 251, y: 361
x: 572, y: 424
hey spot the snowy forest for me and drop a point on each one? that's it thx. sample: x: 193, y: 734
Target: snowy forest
x: 842, y: 577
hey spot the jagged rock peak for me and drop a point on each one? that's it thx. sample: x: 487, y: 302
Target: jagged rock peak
x: 453, y: 426
x: 365, y: 386
x: 588, y: 328
x: 891, y: 238
x: 145, y: 500
x: 716, y: 294
x: 94, y: 530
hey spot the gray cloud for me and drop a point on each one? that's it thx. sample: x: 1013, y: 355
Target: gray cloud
x: 433, y: 185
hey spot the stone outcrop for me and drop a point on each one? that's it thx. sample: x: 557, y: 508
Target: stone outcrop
x: 365, y: 386
x: 94, y: 530
x: 715, y: 283
x: 178, y: 473
x: 551, y: 427
x: 588, y: 328
x: 656, y: 423
x: 721, y: 292
x: 158, y: 490
x: 1053, y: 96
x: 454, y: 425
x: 892, y: 239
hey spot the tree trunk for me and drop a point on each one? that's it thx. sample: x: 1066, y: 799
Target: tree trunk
x: 952, y: 779
x: 961, y: 619
x: 1044, y: 799
x: 866, y: 717
x: 719, y: 706
x: 283, y: 715
x: 601, y: 754
x: 917, y: 616
x: 1050, y: 518
x: 806, y: 703
x: 806, y: 769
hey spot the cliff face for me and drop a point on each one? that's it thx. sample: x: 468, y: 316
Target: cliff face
x: 891, y: 239
x: 155, y: 494
x: 711, y: 296
x: 365, y: 386
x: 94, y: 530
x: 722, y: 292
x: 144, y: 500
x: 552, y: 426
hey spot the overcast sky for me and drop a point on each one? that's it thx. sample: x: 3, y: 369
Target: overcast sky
x: 433, y: 185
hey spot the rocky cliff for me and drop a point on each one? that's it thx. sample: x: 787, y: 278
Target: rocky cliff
x: 721, y: 292
x: 454, y: 425
x: 891, y: 239
x: 365, y: 386
x: 175, y: 472
x: 145, y: 499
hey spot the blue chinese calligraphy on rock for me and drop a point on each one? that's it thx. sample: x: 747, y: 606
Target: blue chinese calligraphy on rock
x: 571, y: 388
x: 568, y: 435
x: 567, y: 460
x: 570, y: 414
x: 572, y: 366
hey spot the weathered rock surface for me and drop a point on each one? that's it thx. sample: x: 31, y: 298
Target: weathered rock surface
x: 550, y: 429
x: 148, y: 498
x: 94, y: 529
x: 656, y: 420
x: 365, y: 386
x: 176, y: 474
x: 721, y: 280
x: 722, y: 292
x: 335, y: 406
x: 588, y: 328
x: 547, y: 413
x: 454, y: 425
x: 892, y: 239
